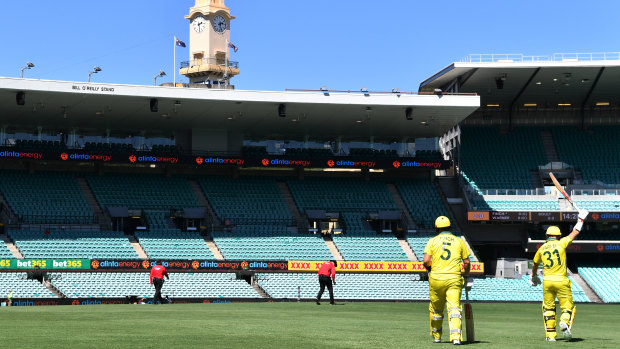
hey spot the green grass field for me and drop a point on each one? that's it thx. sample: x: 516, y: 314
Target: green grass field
x: 288, y: 325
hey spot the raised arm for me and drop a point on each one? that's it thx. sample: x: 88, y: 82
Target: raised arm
x: 583, y: 214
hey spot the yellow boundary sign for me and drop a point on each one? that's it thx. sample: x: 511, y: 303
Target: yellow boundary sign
x: 370, y: 266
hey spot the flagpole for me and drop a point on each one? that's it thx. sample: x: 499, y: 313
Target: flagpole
x: 226, y: 63
x: 174, y: 61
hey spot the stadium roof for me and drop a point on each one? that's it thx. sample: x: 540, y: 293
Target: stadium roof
x: 542, y: 81
x: 255, y: 114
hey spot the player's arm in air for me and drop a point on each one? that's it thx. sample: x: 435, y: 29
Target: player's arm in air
x: 583, y: 214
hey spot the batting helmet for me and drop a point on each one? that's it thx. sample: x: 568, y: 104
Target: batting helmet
x: 553, y: 231
x: 442, y: 222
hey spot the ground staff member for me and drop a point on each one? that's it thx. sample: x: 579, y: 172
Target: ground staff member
x: 157, y: 278
x: 444, y: 257
x: 10, y: 298
x: 552, y: 254
x: 327, y: 274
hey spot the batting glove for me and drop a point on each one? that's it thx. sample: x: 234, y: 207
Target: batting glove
x: 469, y: 282
x: 534, y: 280
x: 583, y: 214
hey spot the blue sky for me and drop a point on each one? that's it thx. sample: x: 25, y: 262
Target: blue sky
x: 342, y: 44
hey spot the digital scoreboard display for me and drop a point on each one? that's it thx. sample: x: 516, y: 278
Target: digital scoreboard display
x: 509, y: 216
x: 545, y: 216
x: 540, y: 216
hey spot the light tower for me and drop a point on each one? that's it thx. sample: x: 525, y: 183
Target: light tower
x: 209, y: 51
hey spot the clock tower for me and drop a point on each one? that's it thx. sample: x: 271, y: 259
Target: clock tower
x: 209, y: 52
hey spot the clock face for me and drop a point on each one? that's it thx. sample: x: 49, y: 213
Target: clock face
x: 220, y: 24
x: 199, y: 23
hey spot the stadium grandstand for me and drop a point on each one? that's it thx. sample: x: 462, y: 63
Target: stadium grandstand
x: 242, y: 202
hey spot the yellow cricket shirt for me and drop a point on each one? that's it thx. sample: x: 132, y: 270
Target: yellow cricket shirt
x: 447, y: 252
x: 552, y: 254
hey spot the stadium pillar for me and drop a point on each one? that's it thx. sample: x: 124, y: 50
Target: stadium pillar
x: 72, y: 137
x: 403, y: 147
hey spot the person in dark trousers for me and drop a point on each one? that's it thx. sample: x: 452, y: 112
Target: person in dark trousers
x: 157, y: 279
x: 327, y: 274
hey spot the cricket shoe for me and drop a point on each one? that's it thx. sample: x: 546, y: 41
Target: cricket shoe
x: 317, y: 302
x: 565, y: 330
x: 436, y: 340
x: 550, y: 339
x: 456, y: 342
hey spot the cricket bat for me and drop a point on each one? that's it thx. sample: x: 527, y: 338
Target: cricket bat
x: 559, y: 187
x: 469, y: 315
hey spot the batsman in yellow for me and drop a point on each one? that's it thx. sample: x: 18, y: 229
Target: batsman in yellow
x: 444, y: 257
x: 552, y: 254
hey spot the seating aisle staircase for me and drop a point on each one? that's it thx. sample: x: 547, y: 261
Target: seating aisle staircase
x: 11, y: 246
x: 104, y: 222
x: 549, y: 145
x: 136, y: 246
x: 411, y: 224
x: 211, y: 216
x: 585, y: 287
x: 53, y: 289
x: 214, y: 249
x: 332, y: 248
x: 408, y: 250
x: 302, y: 224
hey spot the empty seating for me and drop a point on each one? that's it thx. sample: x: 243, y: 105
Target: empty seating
x: 142, y: 191
x: 22, y: 287
x: 423, y: 201
x: 516, y: 205
x: 492, y: 289
x: 492, y: 160
x: 109, y: 148
x: 595, y: 152
x: 173, y: 244
x: 359, y: 243
x: 270, y: 243
x: 190, y: 285
x: 418, y: 241
x: 341, y: 195
x: 604, y: 281
x: 599, y: 205
x: 73, y: 244
x: 349, y: 286
x: 246, y: 200
x: 45, y: 197
x: 5, y: 252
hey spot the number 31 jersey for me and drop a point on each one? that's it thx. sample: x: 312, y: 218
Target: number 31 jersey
x: 447, y: 252
x: 552, y: 255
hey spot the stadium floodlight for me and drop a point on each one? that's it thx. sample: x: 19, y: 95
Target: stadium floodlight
x: 364, y: 90
x: 324, y: 88
x: 161, y: 73
x: 395, y: 90
x: 96, y: 70
x: 29, y: 65
x: 438, y: 91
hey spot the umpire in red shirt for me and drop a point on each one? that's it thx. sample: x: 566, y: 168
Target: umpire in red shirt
x: 157, y: 278
x: 327, y: 274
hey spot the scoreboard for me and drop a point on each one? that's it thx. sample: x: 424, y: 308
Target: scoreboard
x: 538, y: 216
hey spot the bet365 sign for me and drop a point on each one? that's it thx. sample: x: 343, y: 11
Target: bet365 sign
x: 44, y: 264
